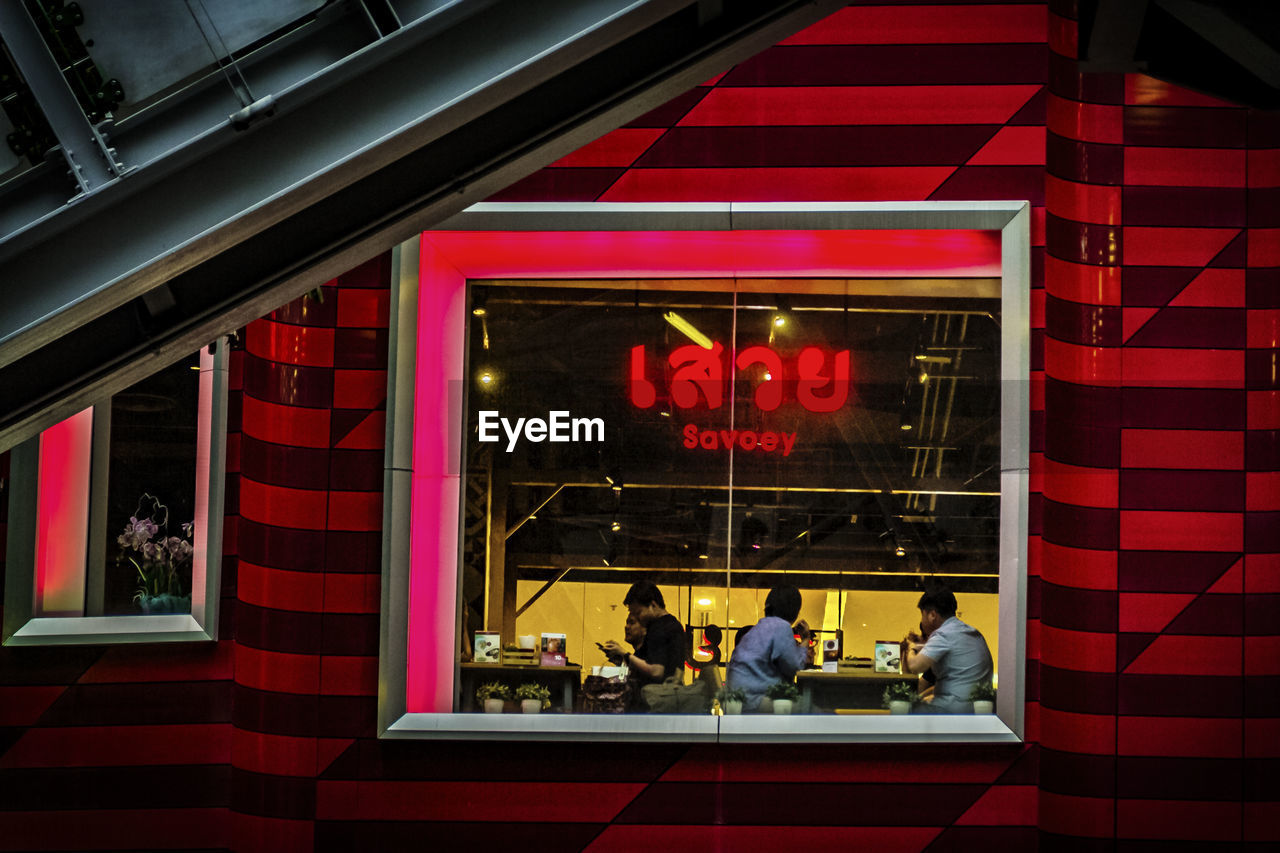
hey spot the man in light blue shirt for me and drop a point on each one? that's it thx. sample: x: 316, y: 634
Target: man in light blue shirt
x: 768, y: 653
x: 956, y: 652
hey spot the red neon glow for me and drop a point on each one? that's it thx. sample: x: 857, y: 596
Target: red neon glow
x: 697, y: 369
x: 436, y: 483
x: 746, y: 440
x: 643, y: 394
x: 721, y: 254
x: 699, y: 377
x: 62, y: 516
x: 819, y: 393
x: 449, y: 258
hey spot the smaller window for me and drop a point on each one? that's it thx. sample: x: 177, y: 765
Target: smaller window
x: 115, y: 515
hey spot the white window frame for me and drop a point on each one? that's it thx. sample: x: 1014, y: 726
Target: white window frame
x: 25, y: 623
x: 1011, y: 218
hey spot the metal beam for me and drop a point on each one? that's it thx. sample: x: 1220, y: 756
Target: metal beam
x: 419, y: 126
x: 91, y: 163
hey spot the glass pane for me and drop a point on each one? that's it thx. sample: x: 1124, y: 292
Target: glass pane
x: 151, y: 493
x: 557, y: 531
x: 886, y: 410
x: 838, y: 437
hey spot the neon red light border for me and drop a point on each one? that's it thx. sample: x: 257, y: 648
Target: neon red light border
x: 449, y: 258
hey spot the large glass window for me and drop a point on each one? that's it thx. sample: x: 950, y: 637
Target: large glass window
x: 837, y: 405
x: 721, y: 440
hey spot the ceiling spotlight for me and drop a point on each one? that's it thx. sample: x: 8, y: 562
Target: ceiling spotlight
x: 702, y: 556
x: 486, y: 378
x: 779, y: 321
x: 479, y: 296
x: 767, y: 376
x: 905, y: 426
x: 704, y: 602
x: 688, y: 330
x: 615, y: 527
x: 900, y: 551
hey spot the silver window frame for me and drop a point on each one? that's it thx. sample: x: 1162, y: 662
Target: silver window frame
x: 1011, y: 218
x: 23, y: 628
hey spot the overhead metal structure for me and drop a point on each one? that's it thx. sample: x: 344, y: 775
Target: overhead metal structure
x: 130, y: 238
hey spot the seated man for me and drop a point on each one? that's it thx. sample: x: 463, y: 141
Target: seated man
x: 957, y: 653
x: 633, y: 633
x: 769, y: 653
x: 661, y: 656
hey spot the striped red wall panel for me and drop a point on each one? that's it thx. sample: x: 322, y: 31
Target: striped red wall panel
x: 310, y: 550
x: 1159, y: 683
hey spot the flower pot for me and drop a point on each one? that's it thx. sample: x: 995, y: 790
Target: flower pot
x: 766, y: 706
x: 782, y: 706
x: 899, y: 706
x: 733, y: 706
x: 984, y: 706
x: 531, y: 706
x: 493, y: 706
x: 153, y: 604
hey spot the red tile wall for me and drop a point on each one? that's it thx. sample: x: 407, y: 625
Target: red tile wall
x: 310, y: 552
x: 1152, y: 676
x: 1158, y: 664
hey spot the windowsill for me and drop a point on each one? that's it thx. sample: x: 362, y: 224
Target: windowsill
x: 960, y: 728
x: 86, y: 630
x: 966, y: 728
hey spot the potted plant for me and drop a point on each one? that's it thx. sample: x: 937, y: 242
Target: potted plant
x: 534, y: 698
x: 983, y: 697
x: 731, y: 699
x: 492, y: 696
x: 161, y: 561
x: 900, y: 696
x: 783, y: 695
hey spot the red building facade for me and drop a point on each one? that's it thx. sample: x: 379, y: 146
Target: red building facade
x: 1153, y: 668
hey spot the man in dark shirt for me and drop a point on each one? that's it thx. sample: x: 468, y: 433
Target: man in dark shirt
x: 661, y: 655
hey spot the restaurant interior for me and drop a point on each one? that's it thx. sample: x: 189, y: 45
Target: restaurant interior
x: 838, y: 435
